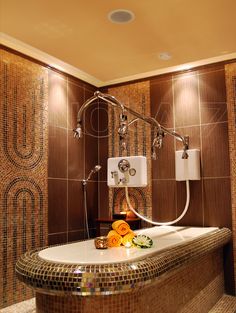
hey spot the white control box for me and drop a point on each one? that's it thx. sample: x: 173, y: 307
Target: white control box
x: 187, y: 169
x: 127, y: 171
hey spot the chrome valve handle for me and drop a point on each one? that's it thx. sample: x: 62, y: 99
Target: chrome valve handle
x: 124, y: 165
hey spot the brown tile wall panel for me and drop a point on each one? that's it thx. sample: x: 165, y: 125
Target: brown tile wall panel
x: 103, y: 156
x: 164, y: 166
x: 213, y: 96
x: 185, y: 92
x: 161, y: 96
x: 199, y: 102
x: 57, y: 152
x: 75, y: 205
x: 137, y: 97
x: 194, y: 216
x: 215, y: 150
x: 92, y: 203
x: 57, y: 99
x: 164, y: 200
x: 57, y: 205
x: 75, y: 101
x: 76, y: 157
x: 103, y: 200
x: 23, y: 174
x: 103, y: 139
x: 70, y: 159
x: 59, y: 238
x: 217, y: 202
x: 77, y: 235
x: 91, y: 138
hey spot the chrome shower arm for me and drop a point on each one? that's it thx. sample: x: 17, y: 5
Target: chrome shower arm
x: 84, y: 107
x: 160, y: 127
x: 114, y: 102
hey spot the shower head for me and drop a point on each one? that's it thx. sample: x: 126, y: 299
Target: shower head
x: 96, y: 168
x: 93, y: 170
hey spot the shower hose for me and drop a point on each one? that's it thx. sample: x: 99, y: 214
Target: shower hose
x: 160, y: 223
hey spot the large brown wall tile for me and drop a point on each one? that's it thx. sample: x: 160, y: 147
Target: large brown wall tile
x: 215, y: 150
x: 194, y: 216
x: 92, y: 203
x: 186, y: 101
x: 213, y: 96
x: 76, y: 157
x: 57, y: 205
x: 57, y: 99
x: 70, y: 158
x: 163, y: 200
x: 162, y: 101
x: 217, y: 202
x: 75, y: 101
x: 103, y: 202
x: 75, y: 205
x: 164, y: 166
x: 57, y: 152
x: 60, y: 238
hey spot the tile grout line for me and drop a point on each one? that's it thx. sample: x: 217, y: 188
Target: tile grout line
x: 174, y: 141
x: 98, y: 182
x: 201, y: 151
x: 67, y: 160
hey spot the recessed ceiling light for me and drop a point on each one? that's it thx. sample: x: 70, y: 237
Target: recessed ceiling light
x: 165, y: 56
x: 121, y: 16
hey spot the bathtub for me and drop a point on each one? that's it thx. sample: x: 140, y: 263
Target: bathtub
x: 182, y: 269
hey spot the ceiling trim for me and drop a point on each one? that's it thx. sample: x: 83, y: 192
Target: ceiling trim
x: 172, y: 69
x: 51, y: 61
x: 69, y: 69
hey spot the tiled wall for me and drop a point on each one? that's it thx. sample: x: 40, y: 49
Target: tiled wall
x: 230, y: 70
x: 70, y: 160
x: 193, y: 104
x: 23, y: 173
x: 42, y: 165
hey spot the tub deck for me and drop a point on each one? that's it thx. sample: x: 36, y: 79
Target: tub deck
x: 85, y: 253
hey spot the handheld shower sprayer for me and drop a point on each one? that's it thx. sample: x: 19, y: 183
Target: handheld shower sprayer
x: 93, y: 171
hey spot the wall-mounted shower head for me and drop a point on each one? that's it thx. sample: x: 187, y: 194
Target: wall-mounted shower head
x: 78, y: 131
x: 123, y: 130
x: 93, y: 171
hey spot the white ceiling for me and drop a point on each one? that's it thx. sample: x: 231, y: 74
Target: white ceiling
x: 79, y: 34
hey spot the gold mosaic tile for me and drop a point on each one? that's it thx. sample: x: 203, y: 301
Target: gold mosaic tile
x: 226, y: 304
x: 202, y: 279
x: 23, y: 175
x: 135, y: 96
x: 113, y: 278
x: 230, y: 73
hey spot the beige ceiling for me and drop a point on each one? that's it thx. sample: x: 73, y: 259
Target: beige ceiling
x: 79, y: 33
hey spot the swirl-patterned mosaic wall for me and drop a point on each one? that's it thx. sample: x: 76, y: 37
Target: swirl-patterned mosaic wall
x: 137, y: 97
x: 23, y: 175
x: 230, y: 73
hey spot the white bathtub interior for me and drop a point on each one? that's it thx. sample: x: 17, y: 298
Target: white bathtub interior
x: 84, y: 252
